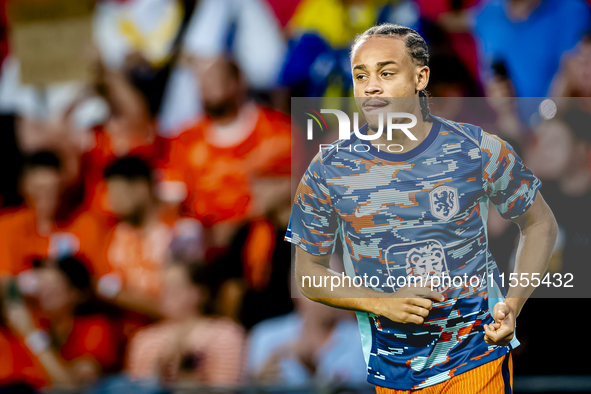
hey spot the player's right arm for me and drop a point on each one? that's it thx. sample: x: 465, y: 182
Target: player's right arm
x: 313, y: 227
x: 408, y: 304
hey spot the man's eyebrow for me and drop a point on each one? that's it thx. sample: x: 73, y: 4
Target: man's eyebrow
x: 382, y: 64
x: 363, y: 67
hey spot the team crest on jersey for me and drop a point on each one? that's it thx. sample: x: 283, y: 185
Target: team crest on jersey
x: 422, y: 259
x: 444, y: 202
x: 426, y: 260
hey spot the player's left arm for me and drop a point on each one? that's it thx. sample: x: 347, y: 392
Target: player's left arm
x: 538, y: 234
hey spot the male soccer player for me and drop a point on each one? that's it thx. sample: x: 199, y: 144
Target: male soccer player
x: 419, y: 213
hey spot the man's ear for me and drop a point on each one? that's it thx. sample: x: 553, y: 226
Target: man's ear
x: 422, y: 78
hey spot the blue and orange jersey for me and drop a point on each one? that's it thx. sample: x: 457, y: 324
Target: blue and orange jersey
x: 417, y: 214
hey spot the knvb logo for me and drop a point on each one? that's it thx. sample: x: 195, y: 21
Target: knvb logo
x: 345, y: 124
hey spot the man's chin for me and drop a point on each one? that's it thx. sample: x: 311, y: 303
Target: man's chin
x: 374, y: 122
x: 374, y: 127
x: 373, y: 116
x: 221, y: 109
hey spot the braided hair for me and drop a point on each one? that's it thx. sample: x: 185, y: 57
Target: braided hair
x: 415, y: 44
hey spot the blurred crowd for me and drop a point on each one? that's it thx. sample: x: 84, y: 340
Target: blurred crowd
x: 143, y: 209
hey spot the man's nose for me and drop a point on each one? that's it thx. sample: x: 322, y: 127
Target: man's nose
x: 373, y: 87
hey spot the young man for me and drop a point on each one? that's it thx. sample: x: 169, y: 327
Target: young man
x: 36, y: 230
x: 420, y: 212
x: 232, y: 144
x: 138, y: 248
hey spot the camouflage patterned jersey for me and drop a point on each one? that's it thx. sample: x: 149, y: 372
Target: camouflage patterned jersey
x: 417, y: 213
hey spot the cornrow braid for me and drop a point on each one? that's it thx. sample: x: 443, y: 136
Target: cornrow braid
x: 416, y: 46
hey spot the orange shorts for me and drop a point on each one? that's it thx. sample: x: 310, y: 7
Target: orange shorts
x: 494, y: 377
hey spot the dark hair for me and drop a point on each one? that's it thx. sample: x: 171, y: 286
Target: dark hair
x: 75, y: 272
x: 42, y: 159
x: 200, y: 274
x: 415, y: 44
x: 78, y: 276
x: 233, y: 68
x: 130, y: 168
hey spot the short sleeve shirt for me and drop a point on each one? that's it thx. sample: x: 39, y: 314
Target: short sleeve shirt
x: 417, y: 214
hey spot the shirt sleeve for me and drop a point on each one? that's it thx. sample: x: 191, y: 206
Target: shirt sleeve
x: 313, y: 221
x: 509, y: 184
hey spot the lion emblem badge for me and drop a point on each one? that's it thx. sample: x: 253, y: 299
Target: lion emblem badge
x: 444, y: 202
x: 418, y: 259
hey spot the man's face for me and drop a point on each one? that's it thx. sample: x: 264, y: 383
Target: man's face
x: 42, y: 189
x: 382, y: 69
x: 55, y: 293
x: 125, y: 196
x: 219, y: 88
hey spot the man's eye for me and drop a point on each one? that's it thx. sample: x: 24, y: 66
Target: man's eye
x: 387, y: 74
x: 360, y: 77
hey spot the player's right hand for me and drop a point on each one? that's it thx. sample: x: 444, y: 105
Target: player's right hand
x: 409, y: 304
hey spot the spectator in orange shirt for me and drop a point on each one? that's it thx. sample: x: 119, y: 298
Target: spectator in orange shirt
x: 20, y: 371
x: 34, y: 231
x: 87, y: 340
x: 139, y: 246
x: 129, y: 131
x: 187, y: 344
x: 216, y: 157
x: 67, y: 333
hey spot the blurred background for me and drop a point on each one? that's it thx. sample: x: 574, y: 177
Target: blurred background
x: 146, y: 152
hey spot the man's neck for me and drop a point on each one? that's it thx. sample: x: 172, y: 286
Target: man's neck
x: 44, y: 219
x: 420, y: 131
x: 144, y: 216
x: 61, y: 324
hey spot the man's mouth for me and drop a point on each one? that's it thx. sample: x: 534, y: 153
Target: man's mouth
x: 374, y: 104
